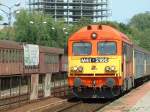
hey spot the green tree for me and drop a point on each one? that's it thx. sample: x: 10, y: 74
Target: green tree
x: 140, y: 25
x: 7, y: 33
x: 81, y: 23
x: 141, y: 21
x: 37, y: 28
x: 145, y: 39
x: 55, y: 34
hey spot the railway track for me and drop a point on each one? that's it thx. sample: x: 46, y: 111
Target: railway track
x: 83, y: 107
x: 71, y: 105
x: 79, y: 106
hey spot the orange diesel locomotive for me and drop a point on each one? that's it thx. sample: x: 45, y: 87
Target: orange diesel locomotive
x: 102, y: 62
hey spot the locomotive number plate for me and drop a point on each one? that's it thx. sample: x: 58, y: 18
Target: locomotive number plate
x: 94, y: 60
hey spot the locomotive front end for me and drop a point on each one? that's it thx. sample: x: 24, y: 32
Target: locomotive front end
x: 94, y: 65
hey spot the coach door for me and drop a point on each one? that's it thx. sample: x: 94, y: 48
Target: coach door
x: 127, y: 60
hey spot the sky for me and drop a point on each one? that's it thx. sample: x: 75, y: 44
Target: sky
x: 11, y: 3
x: 122, y: 10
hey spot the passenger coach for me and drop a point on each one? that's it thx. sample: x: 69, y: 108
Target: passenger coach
x: 103, y: 62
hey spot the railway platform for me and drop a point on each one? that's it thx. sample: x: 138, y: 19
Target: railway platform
x: 138, y: 100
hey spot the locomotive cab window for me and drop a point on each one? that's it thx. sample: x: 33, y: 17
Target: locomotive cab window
x: 82, y: 48
x: 107, y: 48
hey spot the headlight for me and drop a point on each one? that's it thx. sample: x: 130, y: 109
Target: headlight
x: 80, y: 69
x: 110, y: 68
x: 113, y: 68
x: 76, y: 69
x: 72, y: 69
x: 107, y: 69
x: 94, y: 35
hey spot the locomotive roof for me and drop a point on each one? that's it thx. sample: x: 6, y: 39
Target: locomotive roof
x: 103, y: 31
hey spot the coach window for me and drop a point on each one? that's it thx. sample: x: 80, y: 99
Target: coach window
x: 107, y: 48
x: 15, y: 56
x: 7, y: 56
x: 56, y: 58
x: 18, y: 55
x: 11, y: 55
x: 47, y: 59
x: 82, y: 48
x: 0, y: 55
x: 4, y: 55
